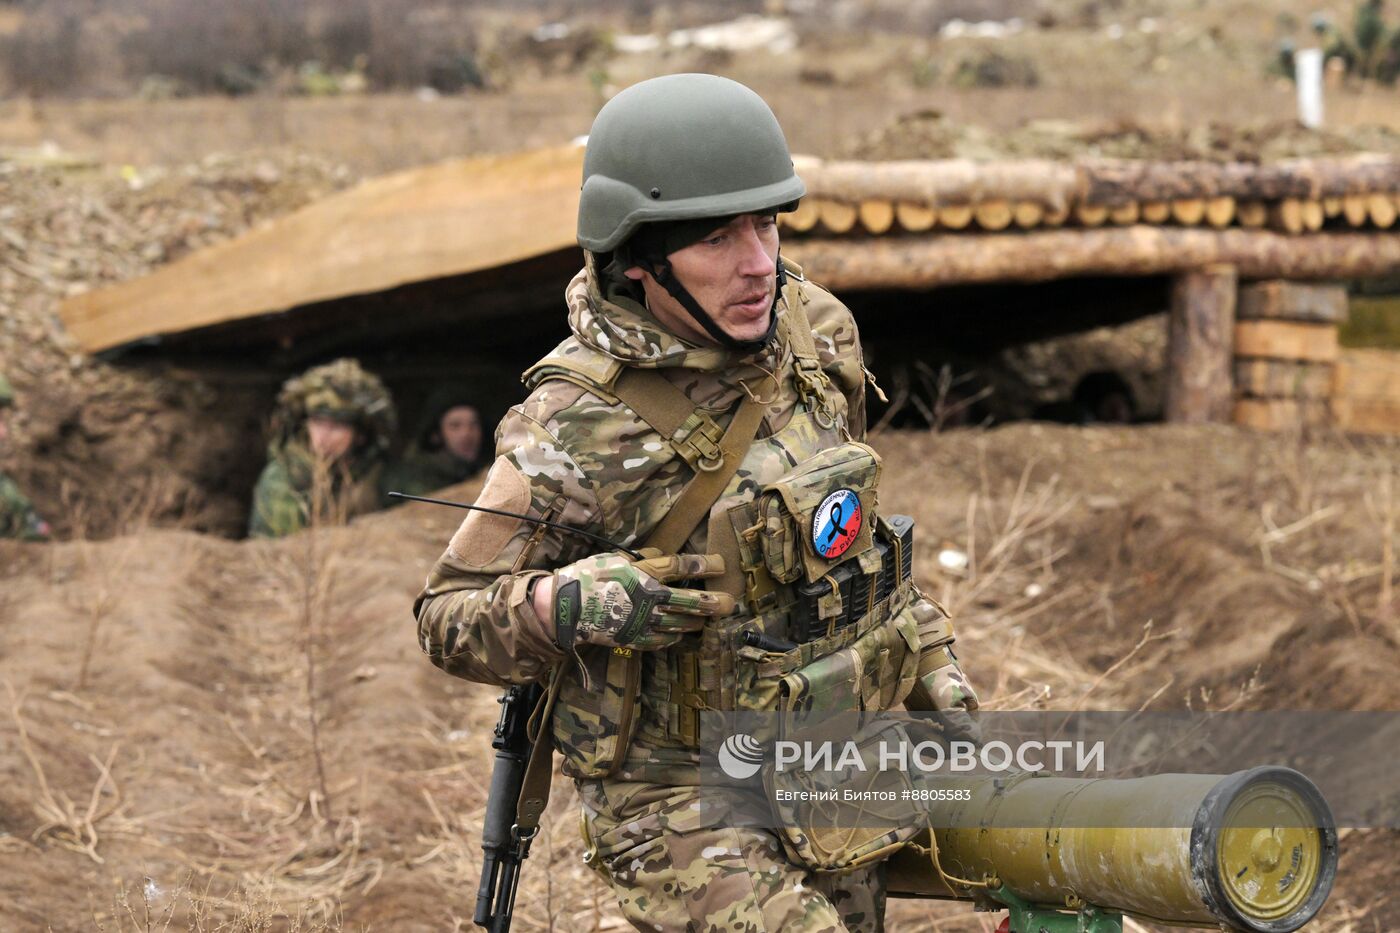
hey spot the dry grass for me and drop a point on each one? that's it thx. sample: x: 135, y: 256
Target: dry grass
x: 1010, y: 540
x: 73, y: 826
x: 240, y: 911
x: 314, y: 795
x: 293, y: 842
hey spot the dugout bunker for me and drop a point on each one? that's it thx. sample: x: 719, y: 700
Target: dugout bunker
x: 458, y: 269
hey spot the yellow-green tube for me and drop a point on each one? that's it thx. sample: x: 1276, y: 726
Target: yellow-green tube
x: 1253, y: 851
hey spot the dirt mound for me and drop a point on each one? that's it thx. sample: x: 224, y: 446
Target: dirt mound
x: 162, y: 679
x: 929, y: 135
x: 102, y: 444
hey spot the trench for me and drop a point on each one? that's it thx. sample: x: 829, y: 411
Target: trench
x: 953, y: 357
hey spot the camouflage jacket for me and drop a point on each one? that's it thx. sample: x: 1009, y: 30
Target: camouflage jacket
x: 421, y: 473
x: 574, y: 456
x: 18, y: 520
x: 282, y: 498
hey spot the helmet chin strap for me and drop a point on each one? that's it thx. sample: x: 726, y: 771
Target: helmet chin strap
x: 665, y: 276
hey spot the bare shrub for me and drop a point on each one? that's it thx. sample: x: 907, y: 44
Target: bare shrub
x: 71, y: 825
x: 239, y: 48
x: 218, y: 47
x: 414, y: 45
x: 941, y: 398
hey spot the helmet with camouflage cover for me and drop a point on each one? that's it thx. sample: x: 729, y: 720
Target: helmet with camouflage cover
x: 674, y: 157
x: 7, y: 392
x: 343, y: 391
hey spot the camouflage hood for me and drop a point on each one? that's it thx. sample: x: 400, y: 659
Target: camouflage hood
x: 605, y: 318
x: 342, y: 390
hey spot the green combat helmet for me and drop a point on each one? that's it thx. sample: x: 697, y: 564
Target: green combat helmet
x: 343, y: 391
x: 7, y: 392
x: 687, y: 147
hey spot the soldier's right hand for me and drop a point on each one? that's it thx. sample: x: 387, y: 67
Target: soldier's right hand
x: 616, y: 600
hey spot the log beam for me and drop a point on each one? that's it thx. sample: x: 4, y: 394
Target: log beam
x: 1156, y: 212
x: 1037, y: 256
x: 1220, y: 211
x: 1200, y: 327
x: 836, y: 216
x: 995, y: 214
x: 916, y: 218
x: 1028, y: 214
x: 1125, y: 215
x: 876, y: 216
x: 1253, y: 214
x: 804, y: 218
x: 1107, y: 182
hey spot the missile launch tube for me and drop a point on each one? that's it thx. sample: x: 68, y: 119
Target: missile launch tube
x: 1253, y: 851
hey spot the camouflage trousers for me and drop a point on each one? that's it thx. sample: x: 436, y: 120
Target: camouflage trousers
x: 676, y: 868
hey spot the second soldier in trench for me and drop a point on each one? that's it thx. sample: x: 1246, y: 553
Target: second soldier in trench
x: 686, y: 328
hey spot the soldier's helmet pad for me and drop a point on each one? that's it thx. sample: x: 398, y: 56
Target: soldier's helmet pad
x: 674, y: 150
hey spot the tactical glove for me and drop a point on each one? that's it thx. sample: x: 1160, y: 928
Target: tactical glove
x: 953, y: 701
x: 613, y: 599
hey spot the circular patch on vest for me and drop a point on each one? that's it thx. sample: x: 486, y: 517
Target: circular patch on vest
x: 836, y: 523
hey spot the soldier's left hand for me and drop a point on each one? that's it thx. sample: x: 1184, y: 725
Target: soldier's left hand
x: 616, y: 600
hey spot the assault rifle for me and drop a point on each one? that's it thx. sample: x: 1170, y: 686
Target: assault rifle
x: 504, y: 845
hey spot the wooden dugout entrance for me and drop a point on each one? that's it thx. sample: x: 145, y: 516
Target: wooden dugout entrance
x: 473, y: 256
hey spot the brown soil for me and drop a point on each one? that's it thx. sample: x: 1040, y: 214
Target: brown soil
x: 182, y: 660
x: 98, y: 447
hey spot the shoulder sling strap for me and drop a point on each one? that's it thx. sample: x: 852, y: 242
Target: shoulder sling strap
x: 715, y: 457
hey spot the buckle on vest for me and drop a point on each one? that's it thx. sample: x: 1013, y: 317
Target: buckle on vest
x: 812, y: 387
x: 698, y: 442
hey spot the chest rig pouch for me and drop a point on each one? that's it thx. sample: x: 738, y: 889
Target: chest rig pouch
x: 819, y: 515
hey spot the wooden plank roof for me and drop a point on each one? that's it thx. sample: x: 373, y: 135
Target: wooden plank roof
x: 915, y: 224
x: 427, y: 223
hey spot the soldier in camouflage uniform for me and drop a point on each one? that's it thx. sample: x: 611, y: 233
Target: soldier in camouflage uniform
x: 17, y: 516
x: 445, y: 450
x: 331, y: 431
x: 695, y: 352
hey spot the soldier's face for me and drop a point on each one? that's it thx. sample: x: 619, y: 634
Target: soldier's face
x: 330, y: 439
x: 732, y: 273
x: 460, y: 428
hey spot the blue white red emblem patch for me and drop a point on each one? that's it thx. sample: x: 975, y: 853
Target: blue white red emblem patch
x: 836, y: 523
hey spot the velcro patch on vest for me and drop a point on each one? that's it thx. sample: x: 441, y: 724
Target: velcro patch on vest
x: 836, y: 523
x: 481, y: 536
